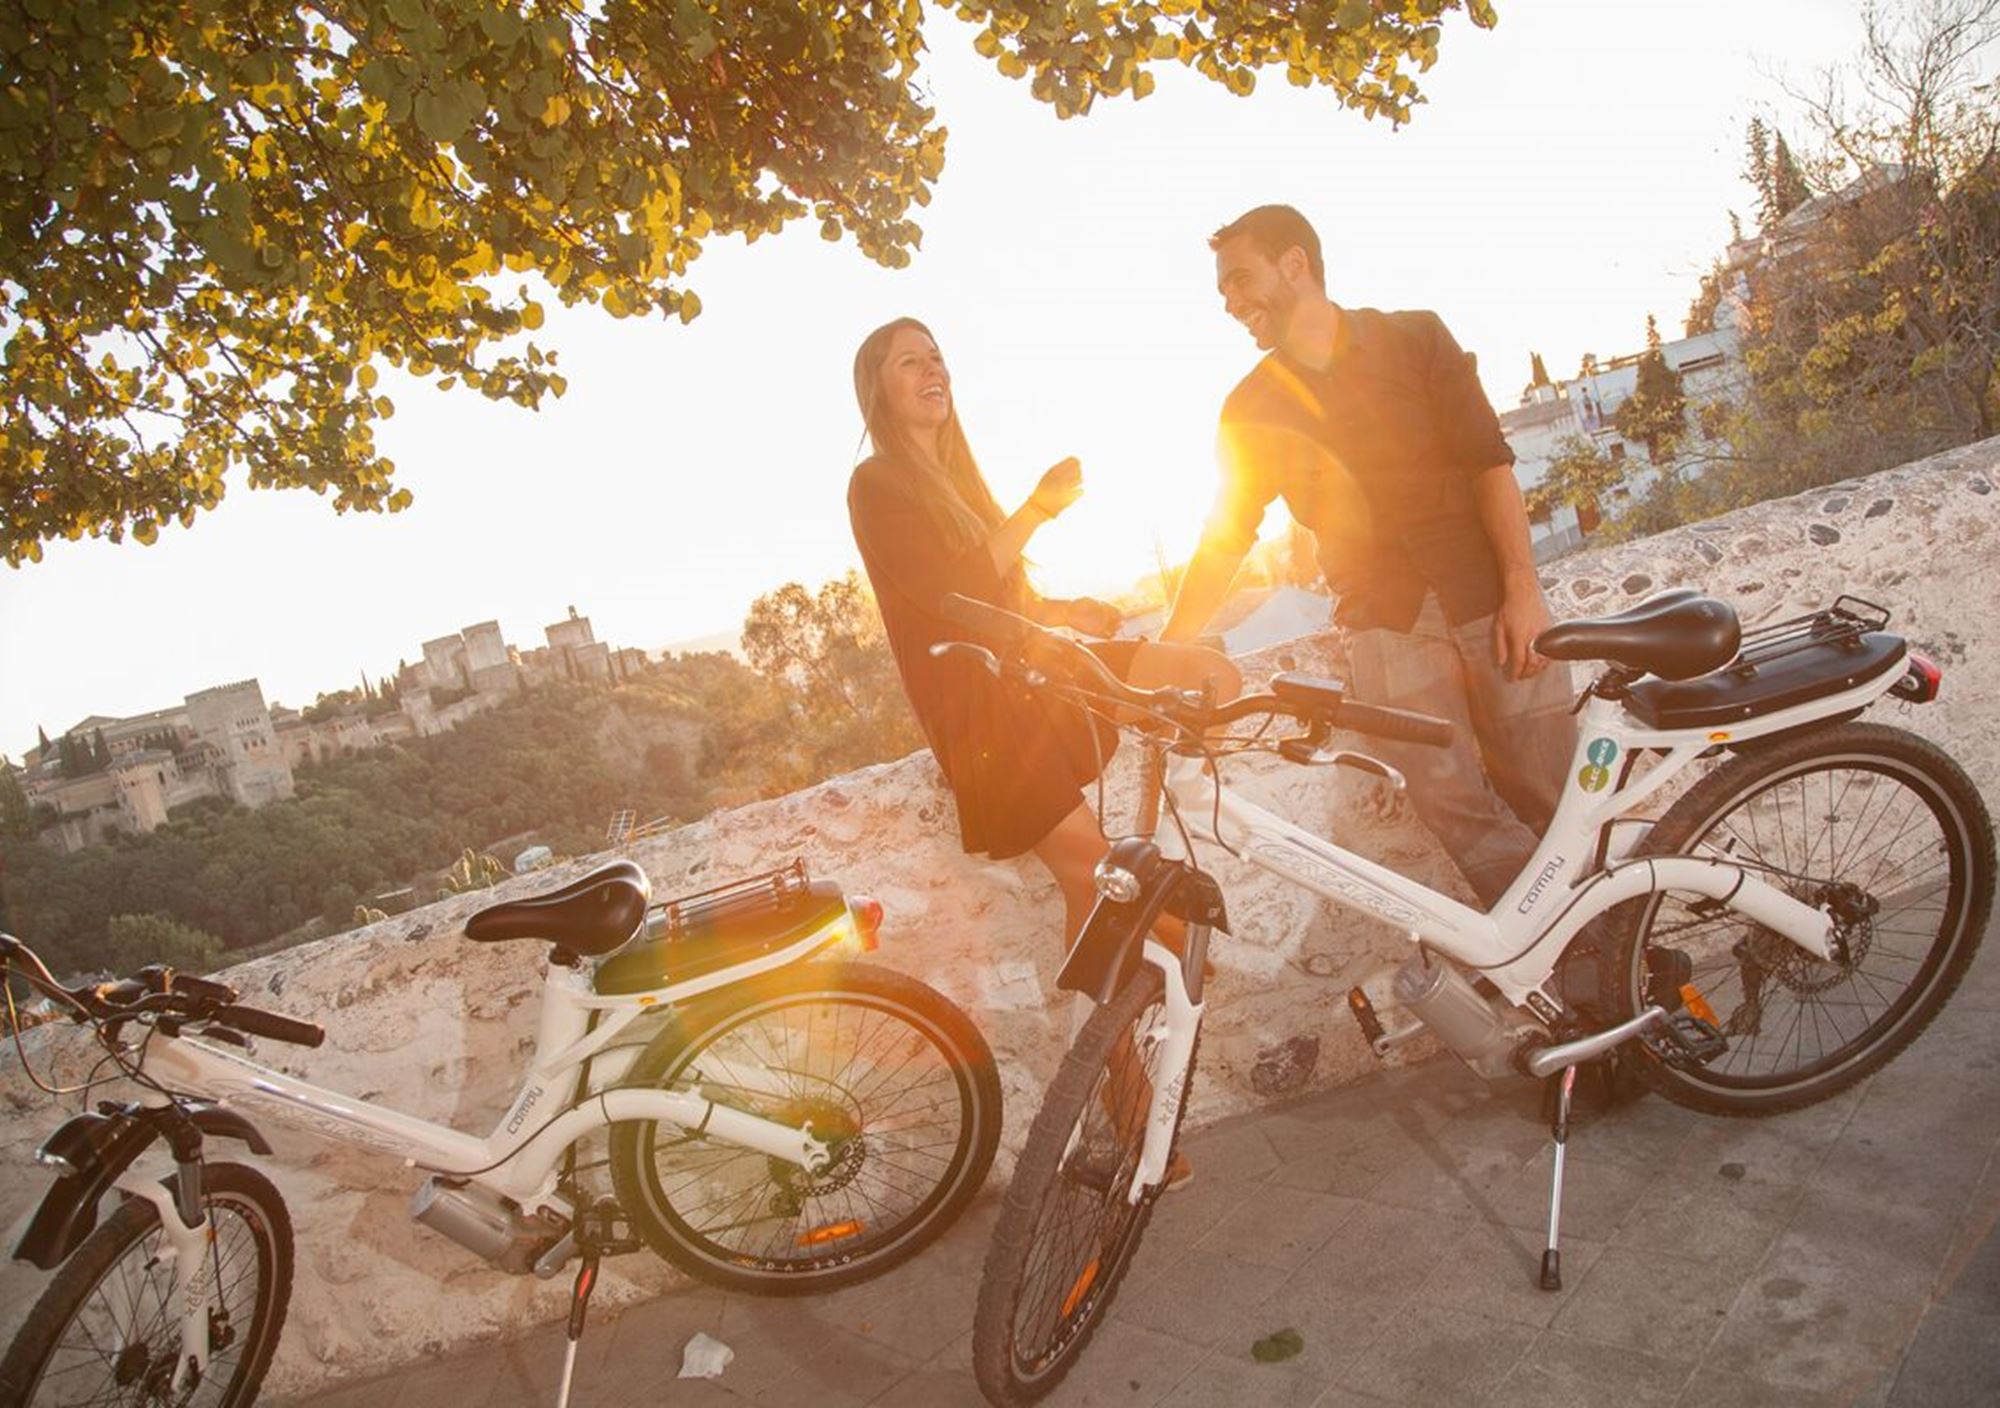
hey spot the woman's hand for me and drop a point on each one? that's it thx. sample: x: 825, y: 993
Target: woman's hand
x: 1092, y: 617
x: 1058, y: 489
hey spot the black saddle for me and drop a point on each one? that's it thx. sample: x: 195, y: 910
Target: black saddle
x: 1676, y: 635
x: 589, y: 917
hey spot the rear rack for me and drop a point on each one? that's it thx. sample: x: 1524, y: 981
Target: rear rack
x: 1841, y: 624
x: 739, y: 899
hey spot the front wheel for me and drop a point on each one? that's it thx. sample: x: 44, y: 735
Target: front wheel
x: 1070, y: 1227
x: 106, y: 1330
x: 887, y: 1071
x: 1873, y: 824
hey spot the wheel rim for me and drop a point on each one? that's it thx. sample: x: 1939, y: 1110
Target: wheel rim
x: 1087, y: 1226
x: 877, y: 1081
x: 121, y: 1345
x: 1878, y: 840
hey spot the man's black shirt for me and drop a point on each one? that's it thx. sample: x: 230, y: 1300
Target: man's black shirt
x: 1376, y: 455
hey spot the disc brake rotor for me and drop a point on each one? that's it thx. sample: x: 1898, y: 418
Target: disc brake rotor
x: 832, y: 1125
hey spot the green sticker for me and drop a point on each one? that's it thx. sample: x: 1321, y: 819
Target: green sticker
x: 1593, y: 778
x: 1602, y: 751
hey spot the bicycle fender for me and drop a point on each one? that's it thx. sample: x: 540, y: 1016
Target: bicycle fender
x: 1106, y: 952
x: 98, y: 1146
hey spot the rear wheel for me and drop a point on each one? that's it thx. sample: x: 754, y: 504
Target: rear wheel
x: 1069, y: 1228
x: 1875, y: 824
x: 107, y: 1329
x: 887, y: 1070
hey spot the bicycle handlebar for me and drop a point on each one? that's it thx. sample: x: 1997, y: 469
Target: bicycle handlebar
x: 1018, y: 637
x: 157, y: 990
x: 274, y: 1025
x: 1404, y: 725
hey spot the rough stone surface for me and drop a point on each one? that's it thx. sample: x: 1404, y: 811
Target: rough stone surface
x: 420, y: 1020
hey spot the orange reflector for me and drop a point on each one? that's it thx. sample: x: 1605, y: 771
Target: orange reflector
x: 1692, y: 999
x: 831, y: 1232
x: 1083, y: 1283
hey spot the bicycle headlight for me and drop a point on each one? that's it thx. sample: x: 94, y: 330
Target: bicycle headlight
x: 1116, y: 883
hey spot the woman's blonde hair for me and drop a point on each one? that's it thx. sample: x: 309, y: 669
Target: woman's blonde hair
x: 950, y: 485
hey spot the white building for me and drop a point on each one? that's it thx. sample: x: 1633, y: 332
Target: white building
x: 1585, y: 406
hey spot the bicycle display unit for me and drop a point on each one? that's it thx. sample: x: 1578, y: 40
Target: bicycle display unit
x: 1795, y: 917
x: 775, y: 1125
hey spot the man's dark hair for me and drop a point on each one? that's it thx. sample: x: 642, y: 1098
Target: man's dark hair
x: 1273, y: 229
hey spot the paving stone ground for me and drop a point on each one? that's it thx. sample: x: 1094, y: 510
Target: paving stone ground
x: 1843, y: 1255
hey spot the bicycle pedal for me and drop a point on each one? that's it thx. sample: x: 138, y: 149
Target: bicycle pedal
x: 1686, y: 1040
x: 1365, y: 1018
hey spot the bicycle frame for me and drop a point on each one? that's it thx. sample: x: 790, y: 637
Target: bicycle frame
x: 1575, y: 874
x: 521, y: 1159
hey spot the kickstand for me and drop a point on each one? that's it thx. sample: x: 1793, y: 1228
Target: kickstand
x: 579, y: 1298
x: 595, y: 1228
x: 1559, y: 1127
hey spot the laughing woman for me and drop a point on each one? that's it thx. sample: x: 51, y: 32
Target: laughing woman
x: 927, y: 525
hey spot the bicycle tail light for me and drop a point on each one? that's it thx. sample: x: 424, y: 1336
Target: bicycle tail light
x: 867, y: 914
x: 1920, y: 680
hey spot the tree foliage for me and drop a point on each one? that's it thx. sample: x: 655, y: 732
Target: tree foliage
x: 1579, y: 475
x: 828, y: 651
x: 131, y: 941
x: 17, y: 818
x: 1874, y: 330
x: 220, y: 219
x: 1655, y: 414
x: 1773, y: 173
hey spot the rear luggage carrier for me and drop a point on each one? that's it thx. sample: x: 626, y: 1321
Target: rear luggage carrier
x: 1778, y: 666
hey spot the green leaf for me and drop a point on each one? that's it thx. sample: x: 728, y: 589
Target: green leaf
x: 1277, y: 1347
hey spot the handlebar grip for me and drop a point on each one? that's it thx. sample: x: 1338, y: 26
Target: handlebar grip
x: 988, y: 624
x: 1403, y: 725
x: 270, y: 1024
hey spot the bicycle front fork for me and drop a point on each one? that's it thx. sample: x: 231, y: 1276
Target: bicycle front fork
x: 1182, y: 977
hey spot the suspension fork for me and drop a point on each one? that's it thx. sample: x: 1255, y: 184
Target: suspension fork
x: 1182, y: 1015
x: 187, y: 1243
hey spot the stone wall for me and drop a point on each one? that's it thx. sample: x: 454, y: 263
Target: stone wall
x: 423, y: 1021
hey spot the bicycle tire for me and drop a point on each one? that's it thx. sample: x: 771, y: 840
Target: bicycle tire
x: 1042, y: 1186
x: 658, y: 1175
x: 80, y: 1295
x: 1748, y: 978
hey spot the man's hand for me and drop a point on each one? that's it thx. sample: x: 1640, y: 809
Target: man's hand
x: 1092, y: 617
x: 1060, y: 487
x: 1522, y: 616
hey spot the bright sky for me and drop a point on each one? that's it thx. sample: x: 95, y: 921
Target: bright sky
x: 1570, y: 174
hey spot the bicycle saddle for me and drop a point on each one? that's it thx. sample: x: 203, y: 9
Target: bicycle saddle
x: 1676, y: 635
x: 590, y: 917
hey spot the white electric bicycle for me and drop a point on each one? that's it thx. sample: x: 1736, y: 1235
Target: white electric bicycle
x: 1794, y: 919
x: 775, y: 1125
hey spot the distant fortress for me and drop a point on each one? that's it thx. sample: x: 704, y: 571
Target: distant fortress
x: 108, y: 776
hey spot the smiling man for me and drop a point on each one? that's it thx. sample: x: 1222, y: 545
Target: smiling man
x: 1373, y: 429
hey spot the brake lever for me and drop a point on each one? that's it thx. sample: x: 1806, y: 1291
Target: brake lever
x: 1306, y: 753
x: 1363, y: 762
x: 978, y: 652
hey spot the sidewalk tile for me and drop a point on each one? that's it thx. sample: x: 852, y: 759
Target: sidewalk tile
x: 1563, y: 1371
x: 1656, y: 1303
x: 1279, y: 1227
x: 1430, y: 1355
x: 1711, y: 1218
x: 1381, y: 1252
x: 1191, y: 1300
x: 1126, y: 1366
x: 1815, y: 1327
x: 1497, y: 1271
x: 1955, y: 1359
